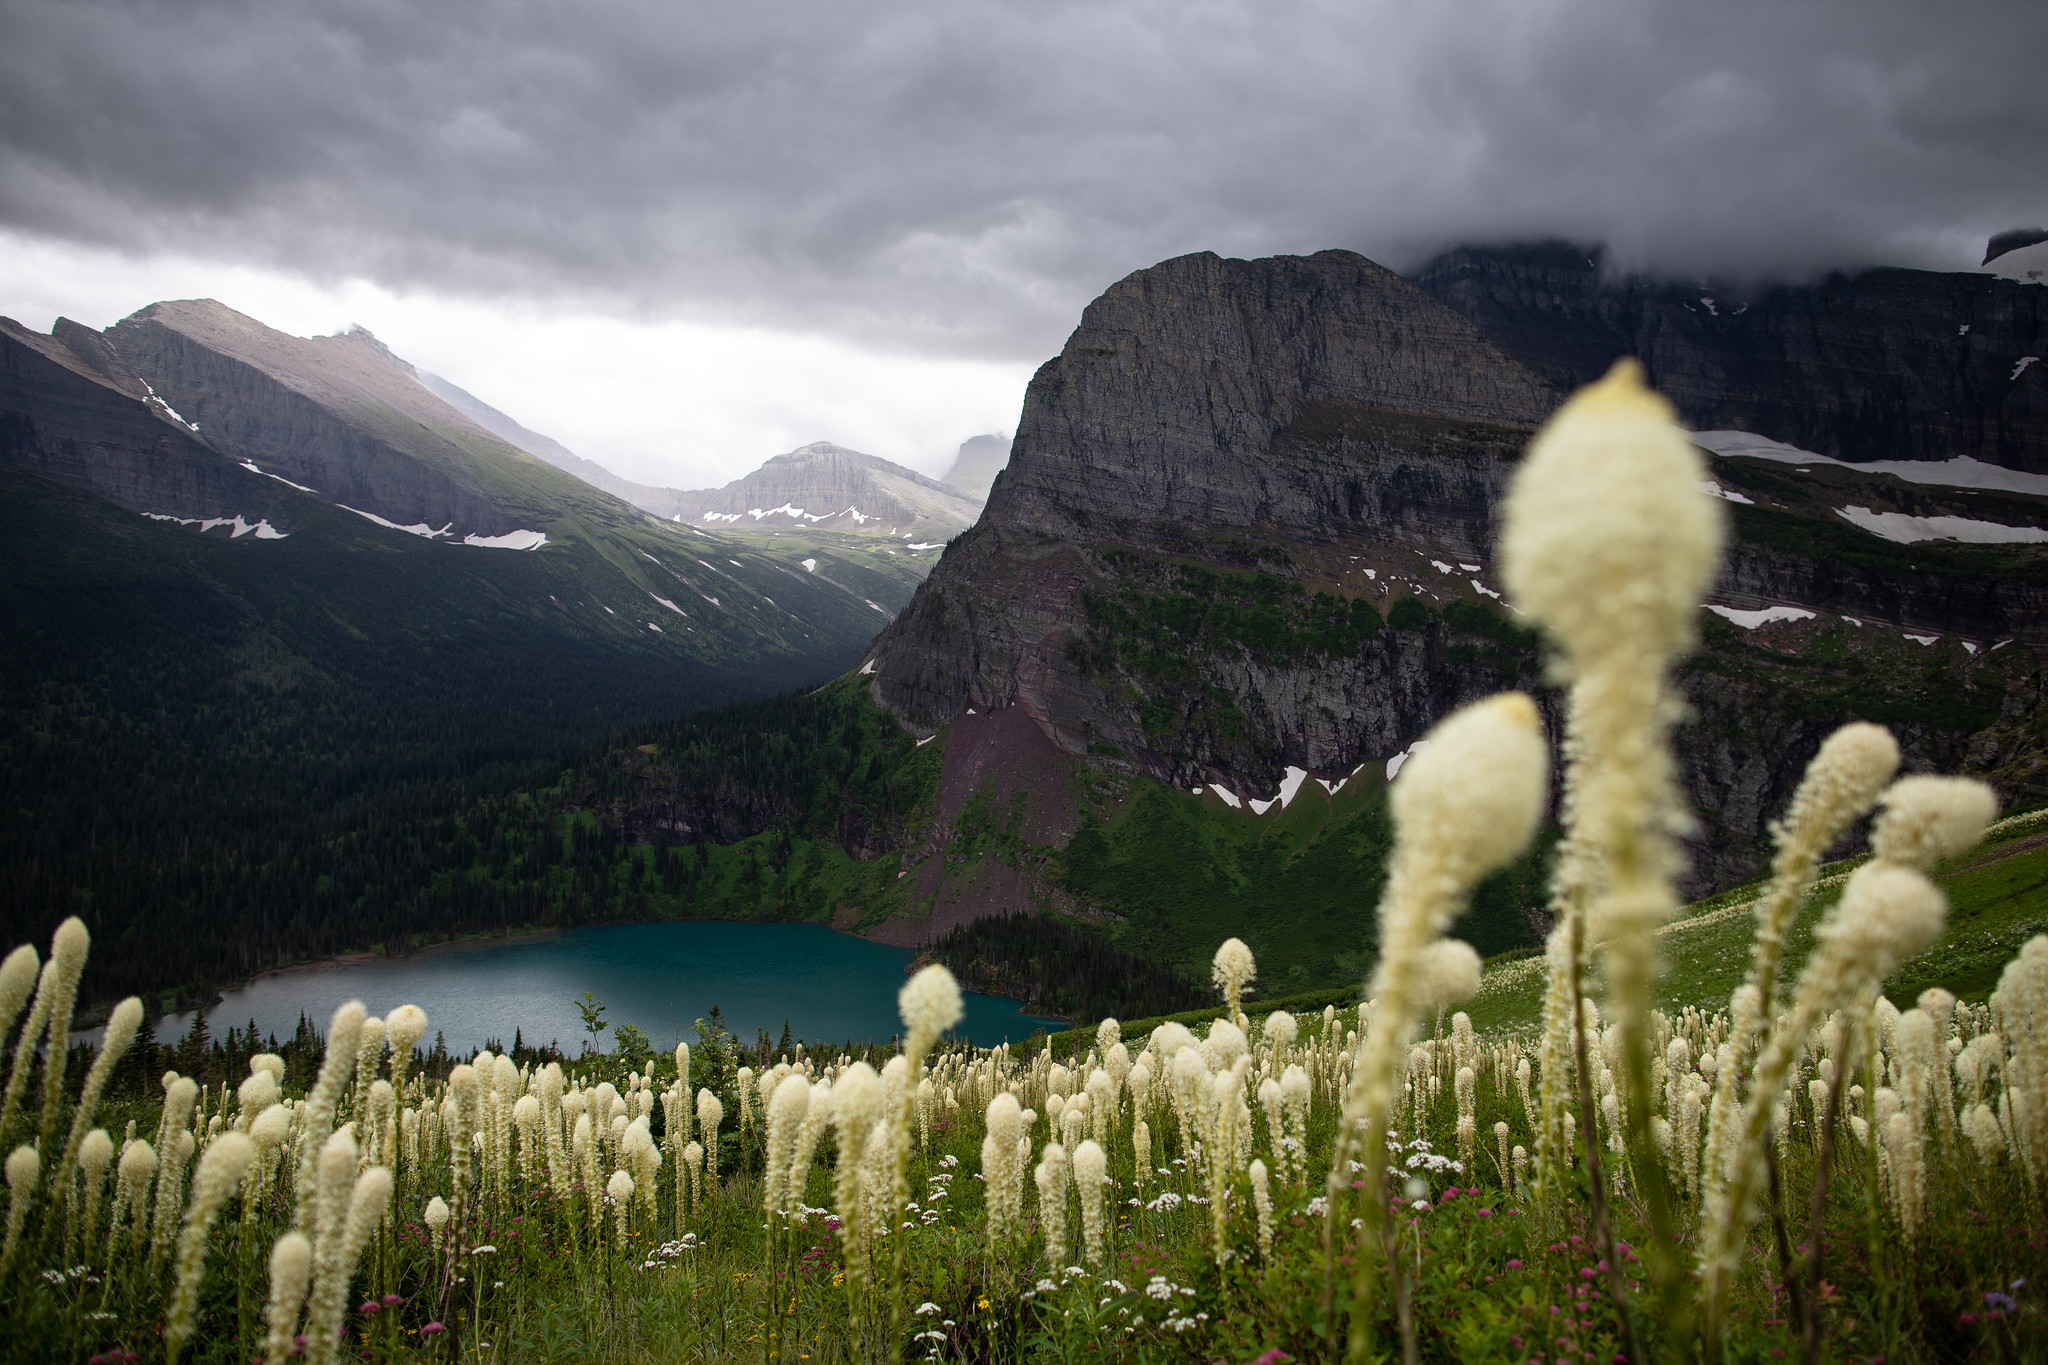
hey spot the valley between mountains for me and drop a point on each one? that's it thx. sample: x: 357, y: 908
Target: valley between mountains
x: 280, y: 684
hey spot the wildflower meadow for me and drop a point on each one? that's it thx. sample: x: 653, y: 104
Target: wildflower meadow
x: 1804, y: 1172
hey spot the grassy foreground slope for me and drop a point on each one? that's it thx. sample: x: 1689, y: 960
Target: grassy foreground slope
x: 1998, y: 899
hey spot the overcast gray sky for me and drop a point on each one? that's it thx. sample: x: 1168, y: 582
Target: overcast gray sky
x: 680, y: 237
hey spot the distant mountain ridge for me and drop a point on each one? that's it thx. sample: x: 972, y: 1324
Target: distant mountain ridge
x: 818, y: 486
x: 829, y: 486
x: 1883, y: 364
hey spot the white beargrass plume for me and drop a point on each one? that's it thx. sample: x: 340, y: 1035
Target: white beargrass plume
x: 620, y: 1190
x: 1464, y: 806
x: 1842, y: 782
x: 817, y: 1118
x: 1051, y: 1176
x: 403, y: 1029
x: 334, y: 1263
x: 1232, y: 970
x: 257, y: 1093
x: 1091, y: 1168
x: 2021, y: 1003
x: 999, y: 1166
x: 334, y: 1178
x: 1928, y: 818
x: 68, y: 949
x: 369, y: 1052
x: 31, y: 1038
x: 175, y: 1151
x: 291, y: 1270
x: 221, y: 1169
x: 692, y: 1162
x: 1940, y: 1007
x: 465, y: 1092
x: 95, y: 1154
x: 1610, y: 543
x: 1913, y: 1064
x: 132, y: 1175
x: 344, y: 1032
x: 786, y: 1108
x: 547, y: 1088
x: 121, y: 1028
x: 17, y: 979
x: 1980, y: 1125
x: 710, y: 1113
x: 1281, y: 1030
x: 682, y: 1134
x: 1296, y: 1094
x: 436, y: 1219
x: 1262, y: 1202
x: 269, y: 1131
x: 23, y: 1167
x: 1887, y: 913
x: 1466, y: 1084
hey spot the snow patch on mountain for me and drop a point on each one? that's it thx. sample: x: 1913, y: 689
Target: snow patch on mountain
x: 1902, y: 529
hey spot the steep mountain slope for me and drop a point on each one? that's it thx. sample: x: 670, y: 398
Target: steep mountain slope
x: 265, y: 613
x: 885, y: 575
x: 1246, y: 532
x: 974, y: 469
x: 1881, y: 365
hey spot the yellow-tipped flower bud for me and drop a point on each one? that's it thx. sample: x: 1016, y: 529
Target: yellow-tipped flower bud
x: 1609, y: 539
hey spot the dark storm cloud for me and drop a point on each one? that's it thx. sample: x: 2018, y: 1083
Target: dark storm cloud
x: 962, y: 176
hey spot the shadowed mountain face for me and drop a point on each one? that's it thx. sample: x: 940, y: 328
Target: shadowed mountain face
x: 1881, y: 365
x: 1247, y: 527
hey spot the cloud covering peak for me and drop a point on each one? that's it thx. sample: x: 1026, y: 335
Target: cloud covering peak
x: 959, y: 176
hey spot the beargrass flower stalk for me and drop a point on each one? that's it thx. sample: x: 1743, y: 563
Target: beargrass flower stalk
x: 369, y: 1052
x: 1887, y: 913
x: 1465, y: 805
x: 1091, y: 1169
x: 1262, y: 1203
x: 1913, y: 1041
x: 787, y: 1104
x: 1051, y: 1177
x: 2022, y: 1000
x: 176, y: 1149
x: 817, y: 1118
x: 23, y: 1167
x: 1610, y: 543
x: 121, y: 1027
x: 25, y: 1045
x: 68, y: 949
x: 1232, y: 970
x: 291, y: 1271
x: 133, y: 1173
x: 929, y: 1004
x: 334, y: 1264
x: 95, y: 1154
x: 465, y: 1091
x: 999, y: 1167
x: 710, y: 1113
x: 344, y: 1033
x: 436, y: 1218
x: 221, y: 1169
x: 17, y: 978
x: 619, y: 1189
x: 257, y: 1093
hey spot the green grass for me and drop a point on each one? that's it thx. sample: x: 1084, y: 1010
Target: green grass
x: 1998, y: 899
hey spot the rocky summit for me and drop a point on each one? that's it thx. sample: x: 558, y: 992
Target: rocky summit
x: 1245, y: 535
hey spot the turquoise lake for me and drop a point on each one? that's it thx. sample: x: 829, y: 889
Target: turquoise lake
x: 829, y: 988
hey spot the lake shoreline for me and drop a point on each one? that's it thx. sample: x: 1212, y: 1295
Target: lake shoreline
x: 662, y: 973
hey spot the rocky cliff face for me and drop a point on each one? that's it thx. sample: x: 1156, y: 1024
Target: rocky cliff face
x: 1247, y: 527
x: 74, y: 413
x: 828, y: 487
x: 1881, y: 365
